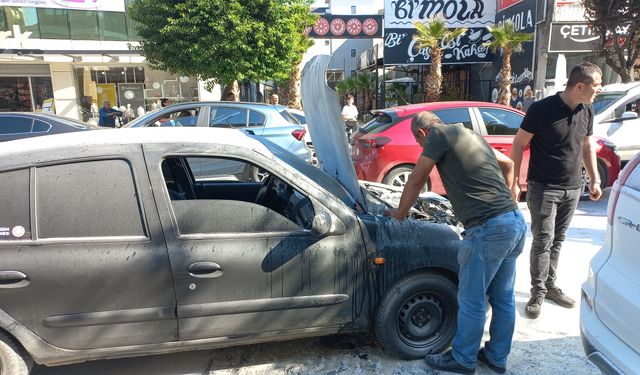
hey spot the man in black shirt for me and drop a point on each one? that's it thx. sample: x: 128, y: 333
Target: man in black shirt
x: 559, y: 130
x: 476, y: 178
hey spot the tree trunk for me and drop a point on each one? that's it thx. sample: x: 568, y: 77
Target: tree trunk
x: 505, y: 82
x: 434, y: 79
x: 295, y: 95
x: 232, y: 87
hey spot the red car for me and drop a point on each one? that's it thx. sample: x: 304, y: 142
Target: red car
x: 384, y: 149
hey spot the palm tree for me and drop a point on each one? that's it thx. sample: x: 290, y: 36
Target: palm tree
x: 362, y: 86
x: 510, y: 41
x: 433, y: 34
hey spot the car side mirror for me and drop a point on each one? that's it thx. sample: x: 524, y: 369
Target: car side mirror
x: 629, y: 115
x: 326, y: 224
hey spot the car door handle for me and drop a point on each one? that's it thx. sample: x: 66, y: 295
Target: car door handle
x: 205, y: 269
x: 13, y: 279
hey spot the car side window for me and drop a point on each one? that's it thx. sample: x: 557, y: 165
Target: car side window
x: 256, y: 118
x: 41, y: 127
x: 500, y: 121
x: 454, y: 116
x: 631, y: 105
x: 87, y: 199
x: 15, y: 125
x: 181, y: 117
x: 228, y: 117
x: 15, y: 220
x: 220, y: 195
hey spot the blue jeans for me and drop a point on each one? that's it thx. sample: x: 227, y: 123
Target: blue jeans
x: 487, y: 260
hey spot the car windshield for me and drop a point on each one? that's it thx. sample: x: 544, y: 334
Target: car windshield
x: 380, y: 123
x: 604, y: 100
x: 140, y: 121
x: 319, y: 177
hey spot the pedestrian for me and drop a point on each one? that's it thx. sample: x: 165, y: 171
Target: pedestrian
x: 275, y: 99
x: 476, y: 178
x: 164, y: 102
x: 350, y: 115
x: 558, y: 129
x: 107, y: 115
x: 528, y: 99
x: 231, y: 96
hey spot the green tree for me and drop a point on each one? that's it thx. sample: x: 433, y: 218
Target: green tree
x: 616, y: 21
x: 362, y: 86
x: 433, y: 34
x: 506, y: 38
x: 223, y: 40
x: 295, y: 79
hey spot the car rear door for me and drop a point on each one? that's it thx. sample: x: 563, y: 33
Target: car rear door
x: 624, y: 133
x: 617, y: 301
x: 242, y: 268
x: 83, y: 260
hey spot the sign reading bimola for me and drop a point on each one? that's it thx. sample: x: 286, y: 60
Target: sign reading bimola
x: 346, y: 26
x: 523, y: 16
x: 400, y: 17
x: 101, y: 5
x: 402, y: 14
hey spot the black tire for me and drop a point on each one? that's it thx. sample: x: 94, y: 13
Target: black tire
x: 418, y: 316
x: 13, y: 358
x: 398, y: 177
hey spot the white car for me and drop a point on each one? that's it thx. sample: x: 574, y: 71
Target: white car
x: 616, y: 117
x: 610, y: 304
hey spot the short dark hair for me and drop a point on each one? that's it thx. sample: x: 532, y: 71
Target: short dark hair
x: 350, y: 96
x: 230, y: 94
x: 583, y: 72
x: 425, y: 120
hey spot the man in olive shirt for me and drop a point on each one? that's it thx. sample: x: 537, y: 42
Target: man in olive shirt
x: 475, y: 177
x: 559, y: 130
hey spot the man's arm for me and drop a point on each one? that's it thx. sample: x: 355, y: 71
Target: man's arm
x: 506, y: 166
x: 589, y: 160
x: 412, y: 189
x: 520, y: 142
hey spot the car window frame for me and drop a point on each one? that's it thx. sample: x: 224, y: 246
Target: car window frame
x: 215, y: 107
x: 18, y: 133
x: 483, y: 126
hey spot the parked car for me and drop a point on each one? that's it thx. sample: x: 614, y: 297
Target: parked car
x: 16, y: 125
x: 616, y: 108
x: 264, y: 120
x: 384, y: 150
x: 610, y: 303
x: 111, y: 247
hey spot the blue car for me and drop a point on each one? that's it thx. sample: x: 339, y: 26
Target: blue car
x: 265, y: 120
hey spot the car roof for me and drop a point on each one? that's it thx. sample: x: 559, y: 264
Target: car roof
x: 621, y: 86
x: 411, y: 109
x: 243, y: 104
x: 187, y: 135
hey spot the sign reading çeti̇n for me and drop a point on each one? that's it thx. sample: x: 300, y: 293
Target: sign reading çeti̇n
x: 98, y: 5
x: 400, y: 17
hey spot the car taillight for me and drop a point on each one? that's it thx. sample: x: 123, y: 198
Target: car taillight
x: 617, y: 186
x: 374, y: 142
x: 605, y: 142
x: 299, y: 134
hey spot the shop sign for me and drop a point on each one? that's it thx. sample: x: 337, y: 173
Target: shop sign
x: 97, y: 5
x: 568, y: 11
x: 503, y: 4
x: 572, y: 37
x: 131, y: 96
x: 346, y: 26
x: 523, y: 15
x: 400, y: 48
x: 402, y: 14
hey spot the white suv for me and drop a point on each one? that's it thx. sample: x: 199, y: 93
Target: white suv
x: 616, y: 117
x: 610, y: 304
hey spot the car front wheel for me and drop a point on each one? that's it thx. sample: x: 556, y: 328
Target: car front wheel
x: 417, y: 316
x: 13, y: 359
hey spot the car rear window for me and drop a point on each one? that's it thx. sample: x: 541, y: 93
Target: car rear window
x: 605, y: 100
x: 290, y: 117
x: 380, y: 123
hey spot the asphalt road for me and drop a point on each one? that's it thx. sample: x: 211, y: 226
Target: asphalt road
x: 549, y: 345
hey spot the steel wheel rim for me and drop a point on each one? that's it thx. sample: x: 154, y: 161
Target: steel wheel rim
x: 422, y: 318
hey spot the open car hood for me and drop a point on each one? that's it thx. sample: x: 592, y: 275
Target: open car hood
x: 322, y: 110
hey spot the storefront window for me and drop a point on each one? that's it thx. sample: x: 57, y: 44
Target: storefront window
x: 42, y: 91
x: 112, y: 26
x: 84, y: 25
x: 15, y: 94
x: 26, y: 18
x: 53, y: 23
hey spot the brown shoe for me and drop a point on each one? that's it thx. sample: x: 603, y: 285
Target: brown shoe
x: 556, y: 295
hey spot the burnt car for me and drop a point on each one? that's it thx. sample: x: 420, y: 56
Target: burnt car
x: 17, y: 125
x: 111, y: 248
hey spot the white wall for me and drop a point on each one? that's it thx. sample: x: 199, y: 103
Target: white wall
x: 362, y: 6
x: 64, y: 90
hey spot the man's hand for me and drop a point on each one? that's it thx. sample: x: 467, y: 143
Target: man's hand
x: 595, y: 192
x: 393, y: 212
x: 515, y: 191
